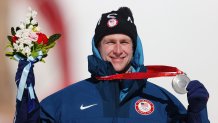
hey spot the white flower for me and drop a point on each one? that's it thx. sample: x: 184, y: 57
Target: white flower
x: 24, y: 42
x: 27, y: 21
x: 30, y: 27
x: 20, y: 47
x: 33, y: 22
x: 26, y: 51
x: 34, y: 13
x: 22, y: 25
x: 16, y: 46
x: 33, y: 36
x: 30, y: 45
x: 22, y: 33
x: 27, y: 41
x: 19, y: 41
x: 19, y: 33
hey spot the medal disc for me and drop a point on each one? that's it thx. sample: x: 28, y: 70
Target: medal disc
x: 179, y: 83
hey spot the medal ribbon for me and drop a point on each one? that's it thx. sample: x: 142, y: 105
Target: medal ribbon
x: 152, y: 72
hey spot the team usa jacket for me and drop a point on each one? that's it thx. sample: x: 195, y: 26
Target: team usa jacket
x: 112, y: 101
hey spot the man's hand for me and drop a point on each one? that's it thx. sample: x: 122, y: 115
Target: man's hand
x: 197, y: 96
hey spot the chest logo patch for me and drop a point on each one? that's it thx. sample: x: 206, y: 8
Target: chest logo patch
x: 144, y: 107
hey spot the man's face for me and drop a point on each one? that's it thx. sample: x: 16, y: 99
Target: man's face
x: 117, y: 49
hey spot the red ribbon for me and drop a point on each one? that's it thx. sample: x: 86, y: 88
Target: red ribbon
x: 152, y: 72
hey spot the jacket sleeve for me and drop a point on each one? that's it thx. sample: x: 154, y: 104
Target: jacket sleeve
x: 27, y: 110
x: 200, y: 117
x: 27, y: 104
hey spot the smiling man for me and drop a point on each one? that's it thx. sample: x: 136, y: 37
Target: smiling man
x: 116, y: 49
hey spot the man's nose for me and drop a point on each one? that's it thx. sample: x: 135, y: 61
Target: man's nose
x: 117, y: 49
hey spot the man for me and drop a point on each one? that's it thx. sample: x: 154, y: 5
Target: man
x: 116, y: 49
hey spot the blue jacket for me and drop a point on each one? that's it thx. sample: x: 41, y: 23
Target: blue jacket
x: 94, y: 101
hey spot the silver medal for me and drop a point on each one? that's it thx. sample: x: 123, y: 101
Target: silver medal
x: 180, y: 82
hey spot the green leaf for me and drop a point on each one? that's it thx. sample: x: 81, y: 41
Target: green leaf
x: 13, y: 31
x: 9, y: 45
x: 50, y: 45
x: 34, y: 46
x: 12, y: 57
x: 44, y: 51
x: 45, y: 55
x: 10, y: 38
x: 17, y: 28
x: 53, y: 38
x: 21, y: 55
x: 27, y: 25
x: 31, y: 18
x: 9, y: 54
x: 36, y: 24
x: 38, y: 46
x: 42, y: 60
x: 34, y: 54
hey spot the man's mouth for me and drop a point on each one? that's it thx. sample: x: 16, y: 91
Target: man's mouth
x: 119, y: 59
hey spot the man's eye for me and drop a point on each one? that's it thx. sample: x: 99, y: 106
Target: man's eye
x: 124, y: 42
x: 109, y: 42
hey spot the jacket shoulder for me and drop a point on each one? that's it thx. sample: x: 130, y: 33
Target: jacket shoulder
x: 68, y: 100
x: 72, y: 92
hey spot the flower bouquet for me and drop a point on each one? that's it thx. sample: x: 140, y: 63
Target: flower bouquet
x: 28, y: 42
x: 29, y: 45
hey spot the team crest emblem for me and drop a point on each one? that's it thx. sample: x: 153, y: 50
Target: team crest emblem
x: 112, y: 22
x: 144, y: 107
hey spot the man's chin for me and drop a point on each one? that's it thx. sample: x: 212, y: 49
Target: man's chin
x: 118, y: 69
x: 121, y: 69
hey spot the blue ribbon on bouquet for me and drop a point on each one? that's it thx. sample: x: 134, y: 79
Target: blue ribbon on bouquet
x: 22, y: 85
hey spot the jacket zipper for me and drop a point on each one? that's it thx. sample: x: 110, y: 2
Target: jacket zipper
x: 116, y: 94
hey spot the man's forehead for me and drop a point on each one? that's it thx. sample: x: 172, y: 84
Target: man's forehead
x: 116, y: 37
